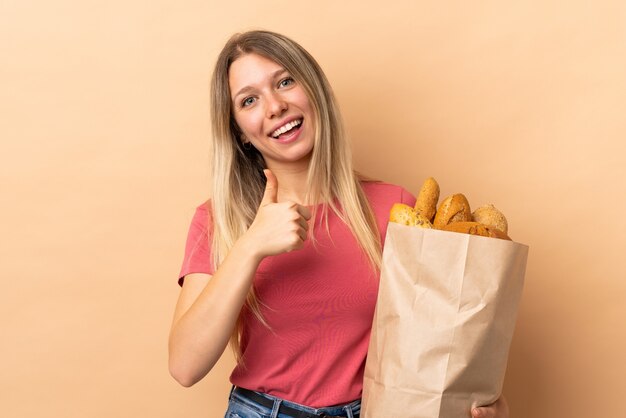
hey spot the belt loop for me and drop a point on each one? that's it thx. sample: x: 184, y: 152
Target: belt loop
x: 275, y: 408
x: 348, y: 409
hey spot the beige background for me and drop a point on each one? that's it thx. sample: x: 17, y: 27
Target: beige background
x: 103, y: 122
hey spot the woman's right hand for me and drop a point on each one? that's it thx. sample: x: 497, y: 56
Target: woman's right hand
x: 278, y: 227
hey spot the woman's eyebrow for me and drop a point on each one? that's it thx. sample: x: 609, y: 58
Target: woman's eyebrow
x: 273, y: 76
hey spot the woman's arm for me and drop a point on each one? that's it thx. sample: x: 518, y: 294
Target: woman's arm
x: 208, y: 306
x: 206, y: 313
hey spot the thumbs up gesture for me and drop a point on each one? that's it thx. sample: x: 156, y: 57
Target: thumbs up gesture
x: 277, y: 227
x: 271, y: 189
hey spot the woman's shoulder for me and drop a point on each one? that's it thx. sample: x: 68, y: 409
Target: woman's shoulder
x: 382, y: 196
x: 202, y: 216
x: 381, y: 191
x: 204, y: 206
x: 203, y: 209
x: 379, y: 186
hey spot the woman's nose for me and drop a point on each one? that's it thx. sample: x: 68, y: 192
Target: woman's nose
x: 276, y: 105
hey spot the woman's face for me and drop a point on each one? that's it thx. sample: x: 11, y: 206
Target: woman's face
x: 272, y: 110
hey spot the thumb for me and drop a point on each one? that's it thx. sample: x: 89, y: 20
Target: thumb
x: 271, y: 188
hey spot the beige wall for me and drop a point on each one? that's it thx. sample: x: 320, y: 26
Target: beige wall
x: 103, y: 122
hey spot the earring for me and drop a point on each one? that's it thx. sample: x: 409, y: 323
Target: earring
x: 245, y: 143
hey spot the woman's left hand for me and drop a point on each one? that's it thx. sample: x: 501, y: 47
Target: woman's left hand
x: 498, y: 409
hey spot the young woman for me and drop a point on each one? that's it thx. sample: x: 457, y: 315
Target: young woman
x: 283, y: 260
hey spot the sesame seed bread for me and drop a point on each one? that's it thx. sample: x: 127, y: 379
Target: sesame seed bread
x: 490, y: 216
x: 406, y: 215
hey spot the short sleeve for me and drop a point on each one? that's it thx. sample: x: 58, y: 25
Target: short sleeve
x: 197, y: 250
x: 407, y: 198
x: 382, y: 196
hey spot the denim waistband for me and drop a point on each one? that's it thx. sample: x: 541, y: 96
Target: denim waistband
x: 276, y: 407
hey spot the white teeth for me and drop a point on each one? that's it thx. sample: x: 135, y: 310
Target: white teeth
x: 286, y: 127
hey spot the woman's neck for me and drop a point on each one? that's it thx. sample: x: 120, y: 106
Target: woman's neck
x: 292, y: 182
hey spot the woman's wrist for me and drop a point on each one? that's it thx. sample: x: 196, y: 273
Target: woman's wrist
x: 245, y: 249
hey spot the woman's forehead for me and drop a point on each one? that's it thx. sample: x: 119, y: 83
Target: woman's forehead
x: 252, y: 70
x: 251, y: 63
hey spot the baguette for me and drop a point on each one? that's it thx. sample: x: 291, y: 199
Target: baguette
x: 426, y: 204
x: 475, y: 228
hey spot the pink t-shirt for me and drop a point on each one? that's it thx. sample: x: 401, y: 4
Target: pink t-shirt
x: 319, y: 302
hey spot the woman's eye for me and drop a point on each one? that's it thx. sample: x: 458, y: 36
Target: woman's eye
x: 247, y: 101
x: 286, y: 82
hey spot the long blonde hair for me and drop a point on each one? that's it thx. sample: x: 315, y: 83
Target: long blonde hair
x: 237, y: 177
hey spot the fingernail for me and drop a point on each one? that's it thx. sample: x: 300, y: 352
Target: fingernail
x: 476, y: 412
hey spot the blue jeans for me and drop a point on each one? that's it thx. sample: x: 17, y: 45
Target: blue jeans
x: 242, y: 407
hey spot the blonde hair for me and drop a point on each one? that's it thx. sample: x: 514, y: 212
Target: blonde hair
x: 237, y: 177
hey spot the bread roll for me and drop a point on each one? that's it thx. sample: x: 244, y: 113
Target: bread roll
x: 454, y: 208
x: 475, y: 228
x: 426, y: 204
x: 406, y: 215
x: 490, y: 216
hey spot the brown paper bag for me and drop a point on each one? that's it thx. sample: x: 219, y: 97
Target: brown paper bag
x: 443, y: 324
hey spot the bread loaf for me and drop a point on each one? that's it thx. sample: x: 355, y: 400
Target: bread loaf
x: 453, y: 215
x: 454, y: 208
x: 490, y: 216
x: 406, y: 215
x: 475, y: 228
x: 426, y: 204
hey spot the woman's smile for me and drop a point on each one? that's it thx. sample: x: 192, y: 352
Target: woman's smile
x: 288, y: 132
